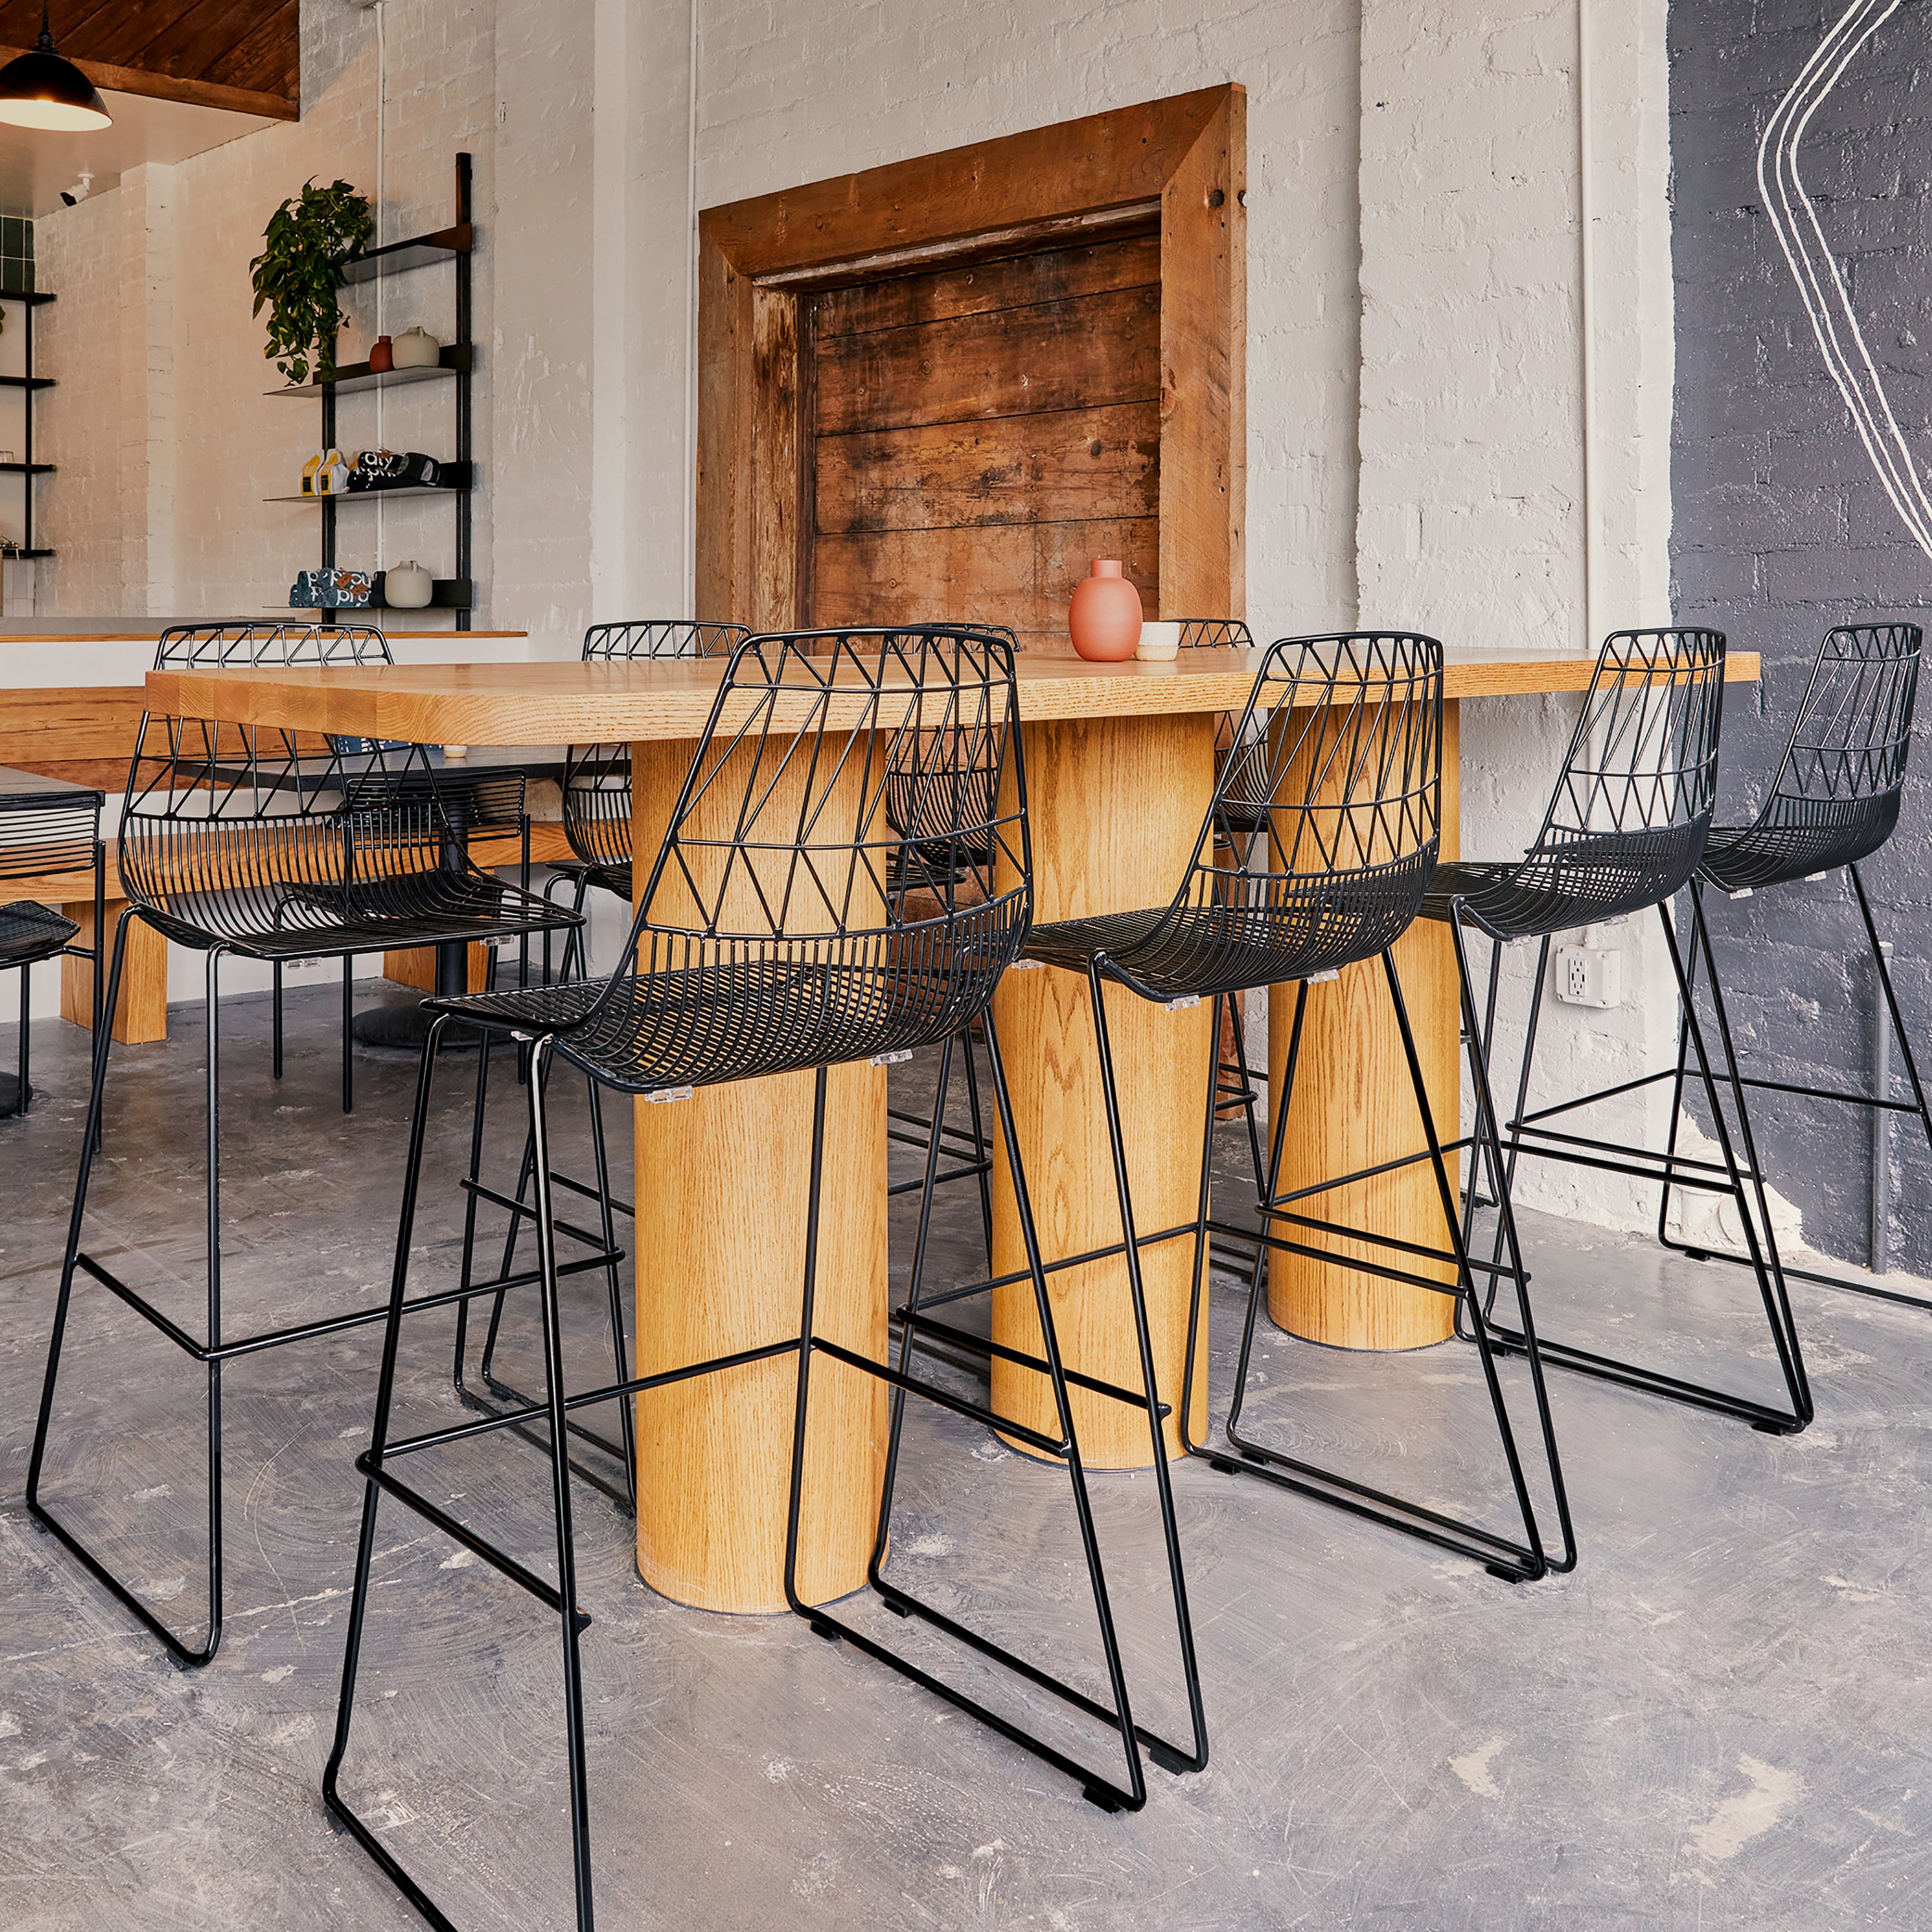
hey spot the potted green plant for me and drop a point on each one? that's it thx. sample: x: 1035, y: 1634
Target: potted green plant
x: 298, y: 273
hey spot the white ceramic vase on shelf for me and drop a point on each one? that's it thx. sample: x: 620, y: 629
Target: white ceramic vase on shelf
x: 416, y: 349
x: 407, y: 587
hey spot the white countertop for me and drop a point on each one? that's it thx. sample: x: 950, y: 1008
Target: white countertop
x: 57, y: 653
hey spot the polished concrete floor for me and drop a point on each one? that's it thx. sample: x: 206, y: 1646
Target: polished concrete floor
x: 1723, y: 1719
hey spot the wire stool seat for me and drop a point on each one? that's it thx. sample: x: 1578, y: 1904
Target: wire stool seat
x: 1625, y: 832
x: 30, y: 932
x: 241, y: 840
x: 1343, y: 767
x: 785, y: 921
x: 1834, y: 801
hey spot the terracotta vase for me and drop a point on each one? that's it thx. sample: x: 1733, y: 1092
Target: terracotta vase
x: 1104, y: 619
x: 380, y: 356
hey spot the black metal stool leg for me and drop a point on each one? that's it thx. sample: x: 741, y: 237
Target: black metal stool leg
x: 909, y: 1329
x: 1742, y: 1180
x: 559, y: 1465
x: 365, y: 1546
x: 275, y: 1056
x: 96, y: 1090
x: 471, y: 1204
x: 1502, y: 1174
x: 1257, y: 1273
x: 1676, y: 1115
x: 1762, y: 1247
x: 1876, y: 1102
x: 982, y: 1154
x: 627, y: 1409
x: 1167, y: 1756
x: 1245, y: 1074
x: 1465, y: 1012
x: 187, y: 1657
x: 1098, y: 1790
x: 26, y: 1008
x: 1513, y: 1561
x: 348, y: 1034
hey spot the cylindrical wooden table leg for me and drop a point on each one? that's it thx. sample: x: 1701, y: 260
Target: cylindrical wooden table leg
x: 1353, y: 1107
x: 721, y: 1193
x: 1116, y: 805
x: 721, y: 1199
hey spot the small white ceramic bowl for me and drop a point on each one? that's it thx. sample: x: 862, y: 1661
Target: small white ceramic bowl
x: 1160, y: 642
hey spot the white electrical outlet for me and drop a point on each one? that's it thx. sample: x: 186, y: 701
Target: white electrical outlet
x: 1590, y: 976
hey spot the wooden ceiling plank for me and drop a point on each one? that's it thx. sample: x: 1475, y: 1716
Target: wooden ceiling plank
x: 269, y: 60
x: 123, y: 35
x: 202, y: 35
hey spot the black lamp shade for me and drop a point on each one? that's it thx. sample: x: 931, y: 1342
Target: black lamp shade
x: 41, y: 90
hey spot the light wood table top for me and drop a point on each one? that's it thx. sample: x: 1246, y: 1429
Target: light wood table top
x: 546, y: 702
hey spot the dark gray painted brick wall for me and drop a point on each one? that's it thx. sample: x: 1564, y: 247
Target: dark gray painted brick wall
x: 1780, y: 530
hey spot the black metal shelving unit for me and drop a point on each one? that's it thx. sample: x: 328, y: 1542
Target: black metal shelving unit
x: 30, y: 386
x: 454, y: 244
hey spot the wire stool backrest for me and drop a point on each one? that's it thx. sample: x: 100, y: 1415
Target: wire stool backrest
x: 43, y: 832
x: 912, y: 809
x: 1215, y: 634
x: 1628, y: 821
x: 235, y: 831
x: 1337, y: 782
x: 1852, y: 734
x: 211, y: 646
x: 786, y: 922
x: 597, y: 778
x: 662, y: 638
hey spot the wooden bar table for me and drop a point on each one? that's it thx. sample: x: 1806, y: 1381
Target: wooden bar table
x: 1120, y: 768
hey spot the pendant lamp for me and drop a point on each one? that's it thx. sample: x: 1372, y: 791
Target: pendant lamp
x: 41, y: 90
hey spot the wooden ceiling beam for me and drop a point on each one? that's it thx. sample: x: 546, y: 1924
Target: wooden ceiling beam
x: 241, y: 54
x: 170, y: 87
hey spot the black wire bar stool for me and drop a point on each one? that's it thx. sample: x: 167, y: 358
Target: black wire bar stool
x: 235, y: 840
x: 47, y: 827
x: 1338, y: 769
x: 1834, y: 802
x: 1625, y: 832
x: 786, y: 926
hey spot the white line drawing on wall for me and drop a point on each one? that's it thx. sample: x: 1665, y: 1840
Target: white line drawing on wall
x: 1828, y: 303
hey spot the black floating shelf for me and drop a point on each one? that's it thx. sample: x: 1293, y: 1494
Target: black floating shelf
x: 419, y: 251
x: 446, y: 593
x: 359, y: 375
x: 14, y: 294
x: 459, y: 482
x: 22, y: 468
x: 26, y: 382
x: 21, y: 555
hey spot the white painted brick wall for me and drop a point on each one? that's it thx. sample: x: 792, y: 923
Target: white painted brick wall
x: 1413, y: 357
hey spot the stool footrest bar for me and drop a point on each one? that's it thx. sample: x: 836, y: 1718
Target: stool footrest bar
x: 499, y: 1560
x: 980, y: 1346
x: 973, y: 1411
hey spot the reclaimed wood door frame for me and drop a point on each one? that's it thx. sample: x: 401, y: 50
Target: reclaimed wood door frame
x: 1180, y: 162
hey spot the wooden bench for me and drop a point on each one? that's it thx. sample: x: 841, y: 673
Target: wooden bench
x: 141, y: 1014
